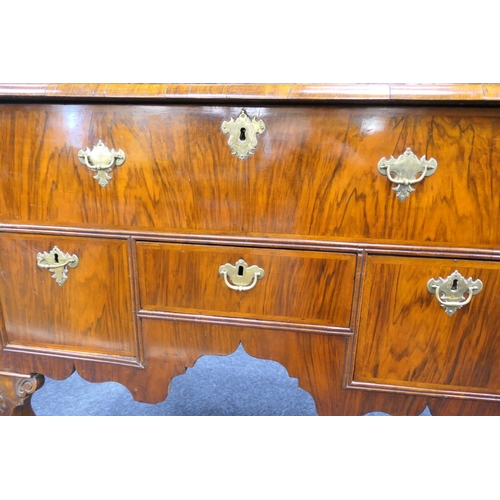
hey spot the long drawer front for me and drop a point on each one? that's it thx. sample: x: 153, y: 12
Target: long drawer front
x: 430, y: 324
x: 312, y: 171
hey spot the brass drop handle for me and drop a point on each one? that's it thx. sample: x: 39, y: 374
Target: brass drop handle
x: 57, y: 262
x: 243, y: 277
x: 450, y: 292
x: 405, y: 171
x: 101, y: 160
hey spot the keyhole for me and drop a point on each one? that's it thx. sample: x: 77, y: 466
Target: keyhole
x: 454, y: 286
x: 240, y: 270
x: 242, y: 134
x: 56, y: 258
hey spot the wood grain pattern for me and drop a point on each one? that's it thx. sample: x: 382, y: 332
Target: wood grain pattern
x: 303, y: 287
x: 90, y: 313
x: 306, y: 207
x: 318, y: 361
x: 180, y: 174
x: 312, y: 92
x: 405, y: 338
x: 438, y: 92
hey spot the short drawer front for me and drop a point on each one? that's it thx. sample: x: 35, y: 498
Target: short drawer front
x: 300, y: 287
x: 89, y: 313
x: 313, y: 173
x: 406, y: 338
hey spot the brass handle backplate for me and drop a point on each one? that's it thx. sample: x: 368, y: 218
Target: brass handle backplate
x: 243, y: 134
x: 101, y: 160
x: 57, y: 262
x: 451, y: 291
x: 405, y: 171
x: 243, y: 277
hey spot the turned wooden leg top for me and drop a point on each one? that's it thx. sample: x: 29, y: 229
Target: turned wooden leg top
x: 15, y: 393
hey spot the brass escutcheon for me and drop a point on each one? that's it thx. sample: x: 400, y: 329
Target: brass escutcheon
x: 243, y: 277
x: 243, y: 134
x: 57, y: 262
x: 451, y: 291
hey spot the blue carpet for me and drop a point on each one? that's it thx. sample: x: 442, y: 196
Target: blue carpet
x: 237, y: 384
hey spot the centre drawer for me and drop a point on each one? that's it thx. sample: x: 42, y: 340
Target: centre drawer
x: 292, y: 286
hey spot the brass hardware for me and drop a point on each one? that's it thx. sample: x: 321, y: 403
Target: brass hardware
x: 243, y: 277
x: 243, y: 134
x: 451, y: 291
x: 57, y: 262
x: 406, y: 170
x: 100, y: 160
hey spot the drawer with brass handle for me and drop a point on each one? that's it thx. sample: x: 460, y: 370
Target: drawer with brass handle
x: 276, y: 285
x: 348, y: 233
x: 430, y: 323
x: 379, y: 174
x: 77, y: 291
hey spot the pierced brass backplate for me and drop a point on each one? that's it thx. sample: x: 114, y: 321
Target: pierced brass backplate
x: 405, y: 171
x: 243, y: 277
x: 450, y: 292
x: 243, y: 134
x: 101, y: 160
x: 57, y: 262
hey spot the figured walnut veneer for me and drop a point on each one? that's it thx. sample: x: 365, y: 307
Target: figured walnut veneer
x: 92, y: 310
x: 184, y: 279
x: 407, y: 339
x: 314, y: 174
x: 343, y: 304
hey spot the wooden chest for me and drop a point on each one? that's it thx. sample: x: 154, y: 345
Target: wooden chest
x: 348, y: 232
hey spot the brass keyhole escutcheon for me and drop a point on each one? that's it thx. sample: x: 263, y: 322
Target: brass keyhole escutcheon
x: 241, y: 276
x: 454, y: 292
x: 243, y: 134
x: 57, y: 262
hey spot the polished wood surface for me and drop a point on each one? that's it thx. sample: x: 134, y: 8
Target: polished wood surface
x: 307, y: 91
x: 180, y: 174
x: 302, y: 287
x: 343, y: 305
x: 316, y: 360
x: 406, y: 338
x: 91, y: 313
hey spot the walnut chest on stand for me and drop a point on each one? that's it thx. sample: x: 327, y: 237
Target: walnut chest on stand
x: 349, y: 233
